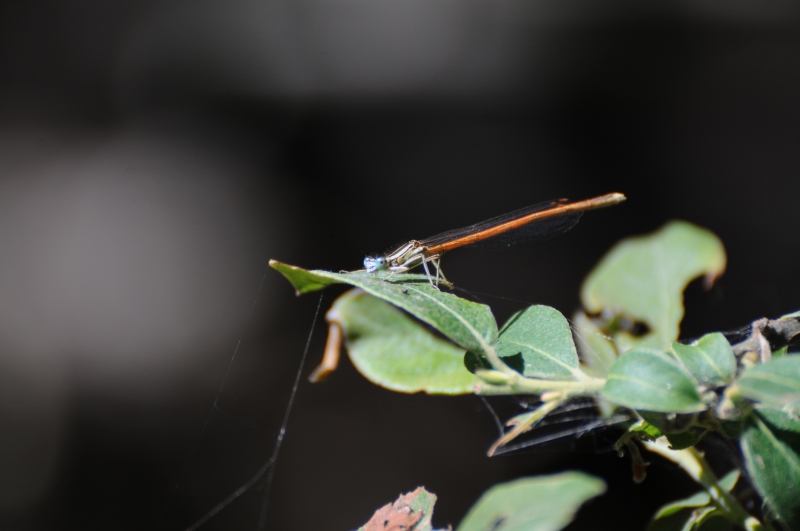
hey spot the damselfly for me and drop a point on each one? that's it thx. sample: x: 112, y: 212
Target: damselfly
x: 536, y: 222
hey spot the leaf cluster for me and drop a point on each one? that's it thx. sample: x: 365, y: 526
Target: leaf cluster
x: 622, y: 352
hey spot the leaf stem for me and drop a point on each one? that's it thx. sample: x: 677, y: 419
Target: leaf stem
x: 695, y: 465
x: 520, y: 385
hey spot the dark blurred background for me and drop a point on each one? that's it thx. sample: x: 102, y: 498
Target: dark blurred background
x: 155, y: 155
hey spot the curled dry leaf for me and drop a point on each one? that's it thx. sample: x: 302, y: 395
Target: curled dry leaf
x: 410, y: 512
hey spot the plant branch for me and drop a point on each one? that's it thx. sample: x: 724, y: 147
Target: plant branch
x: 695, y: 465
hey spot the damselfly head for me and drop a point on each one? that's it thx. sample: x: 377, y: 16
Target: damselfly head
x: 375, y: 263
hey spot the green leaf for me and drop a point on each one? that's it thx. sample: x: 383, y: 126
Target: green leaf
x: 304, y: 281
x: 771, y: 448
x: 412, y: 510
x: 712, y: 519
x: 699, y: 499
x: 781, y: 420
x: 729, y: 480
x: 784, y: 350
x: 643, y: 279
x: 541, y: 335
x: 670, y: 423
x: 464, y: 322
x: 732, y: 428
x: 682, y: 440
x: 645, y: 430
x: 394, y: 351
x: 710, y: 359
x: 651, y: 381
x: 597, y: 352
x: 689, y: 519
x: 681, y: 514
x: 775, y: 383
x: 544, y: 503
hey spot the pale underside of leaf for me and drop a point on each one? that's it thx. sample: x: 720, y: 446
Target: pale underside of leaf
x: 394, y: 351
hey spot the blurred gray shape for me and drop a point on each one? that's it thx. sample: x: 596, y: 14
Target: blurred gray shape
x: 344, y: 49
x: 128, y: 261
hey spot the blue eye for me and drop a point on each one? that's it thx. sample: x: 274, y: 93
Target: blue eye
x: 374, y: 263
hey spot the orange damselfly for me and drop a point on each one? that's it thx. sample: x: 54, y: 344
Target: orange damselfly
x: 536, y: 222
